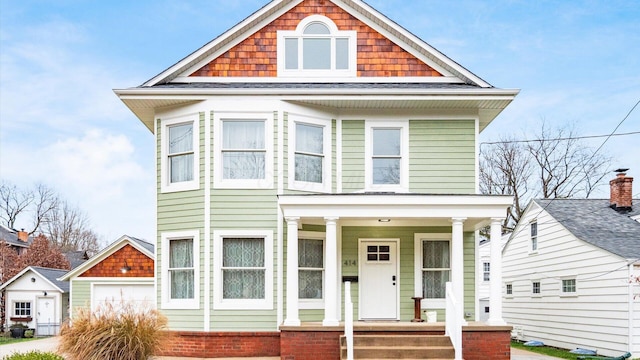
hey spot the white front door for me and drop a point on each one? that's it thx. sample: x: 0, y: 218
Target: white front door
x: 378, y: 279
x: 46, y: 323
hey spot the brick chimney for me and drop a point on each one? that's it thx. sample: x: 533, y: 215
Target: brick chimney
x: 23, y: 235
x: 621, y: 191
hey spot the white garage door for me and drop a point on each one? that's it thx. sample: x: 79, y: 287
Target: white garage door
x: 116, y: 294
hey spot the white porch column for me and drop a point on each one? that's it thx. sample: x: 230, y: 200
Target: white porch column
x: 292, y: 318
x: 495, y: 275
x: 457, y: 264
x: 331, y: 297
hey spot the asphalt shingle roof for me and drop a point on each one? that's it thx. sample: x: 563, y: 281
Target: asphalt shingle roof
x: 52, y: 275
x: 11, y: 237
x: 593, y: 221
x: 143, y: 243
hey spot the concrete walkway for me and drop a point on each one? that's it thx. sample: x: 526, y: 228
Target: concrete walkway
x: 51, y: 344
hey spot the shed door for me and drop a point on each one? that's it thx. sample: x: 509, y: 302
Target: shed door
x: 46, y: 322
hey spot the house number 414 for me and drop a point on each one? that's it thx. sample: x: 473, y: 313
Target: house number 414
x: 349, y: 263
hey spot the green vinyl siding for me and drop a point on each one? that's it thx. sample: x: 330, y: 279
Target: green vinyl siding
x: 442, y: 156
x: 80, y: 295
x: 350, y: 242
x: 352, y: 155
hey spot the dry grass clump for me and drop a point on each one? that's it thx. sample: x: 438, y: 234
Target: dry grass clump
x: 124, y: 331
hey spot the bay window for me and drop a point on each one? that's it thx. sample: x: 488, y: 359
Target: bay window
x: 180, y: 280
x: 179, y: 152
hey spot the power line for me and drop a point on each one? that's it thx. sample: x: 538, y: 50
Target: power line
x: 559, y: 139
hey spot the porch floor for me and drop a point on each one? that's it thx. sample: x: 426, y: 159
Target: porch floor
x: 393, y: 326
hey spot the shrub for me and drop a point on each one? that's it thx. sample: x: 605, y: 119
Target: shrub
x: 33, y: 355
x: 122, y: 331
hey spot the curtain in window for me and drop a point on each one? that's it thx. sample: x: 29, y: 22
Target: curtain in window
x: 436, y: 268
x: 181, y: 269
x: 309, y: 151
x: 181, y: 152
x: 243, y: 273
x: 311, y: 263
x: 240, y: 139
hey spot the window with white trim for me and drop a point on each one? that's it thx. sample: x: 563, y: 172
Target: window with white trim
x: 568, y: 286
x: 535, y: 287
x: 387, y: 148
x: 21, y: 309
x: 486, y: 271
x: 180, y: 158
x: 243, y: 269
x: 317, y: 48
x: 180, y: 270
x: 534, y: 236
x: 509, y: 289
x: 436, y: 268
x: 243, y: 150
x: 310, y: 268
x: 309, y: 154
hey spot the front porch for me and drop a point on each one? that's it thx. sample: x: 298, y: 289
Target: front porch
x: 314, y: 341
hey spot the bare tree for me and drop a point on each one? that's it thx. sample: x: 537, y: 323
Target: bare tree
x: 555, y: 164
x: 13, y: 202
x: 68, y: 228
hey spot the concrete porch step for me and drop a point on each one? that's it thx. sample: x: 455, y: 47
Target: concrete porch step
x: 389, y: 346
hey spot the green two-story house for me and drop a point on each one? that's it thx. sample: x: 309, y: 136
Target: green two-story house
x: 316, y: 142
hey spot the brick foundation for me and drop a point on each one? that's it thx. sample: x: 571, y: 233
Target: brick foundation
x: 221, y: 344
x: 310, y: 345
x: 486, y: 343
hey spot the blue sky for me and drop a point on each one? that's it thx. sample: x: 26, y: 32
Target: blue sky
x: 576, y: 62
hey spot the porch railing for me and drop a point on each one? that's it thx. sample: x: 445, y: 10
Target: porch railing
x: 348, y: 319
x: 453, y: 326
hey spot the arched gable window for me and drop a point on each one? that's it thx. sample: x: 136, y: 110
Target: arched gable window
x: 317, y: 48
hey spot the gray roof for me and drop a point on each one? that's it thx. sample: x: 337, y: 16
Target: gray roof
x: 143, y: 243
x: 305, y: 85
x: 52, y: 275
x: 76, y: 258
x: 593, y: 221
x: 10, y: 236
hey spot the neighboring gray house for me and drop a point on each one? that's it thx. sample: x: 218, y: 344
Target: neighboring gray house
x: 36, y: 298
x: 18, y: 240
x: 567, y: 270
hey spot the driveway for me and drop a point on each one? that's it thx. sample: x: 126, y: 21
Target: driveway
x: 50, y: 344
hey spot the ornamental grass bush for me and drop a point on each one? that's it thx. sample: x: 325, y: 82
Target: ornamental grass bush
x: 124, y: 331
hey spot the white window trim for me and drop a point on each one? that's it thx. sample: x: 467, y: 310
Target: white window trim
x: 165, y: 184
x: 486, y: 261
x: 334, y: 33
x: 537, y: 237
x: 531, y: 289
x: 506, y: 293
x: 167, y: 302
x: 243, y: 304
x: 568, y: 294
x: 15, y: 302
x: 315, y: 303
x: 325, y: 186
x: 218, y: 181
x: 417, y: 251
x: 403, y: 125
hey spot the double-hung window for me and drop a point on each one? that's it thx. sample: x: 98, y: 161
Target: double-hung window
x: 179, y: 151
x: 309, y: 153
x: 486, y: 271
x: 243, y: 149
x: 568, y: 286
x: 180, y: 280
x: 317, y: 48
x: 534, y: 236
x: 21, y: 309
x: 386, y: 167
x: 310, y: 270
x: 243, y: 269
x: 509, y: 289
x: 433, y: 268
x: 535, y: 288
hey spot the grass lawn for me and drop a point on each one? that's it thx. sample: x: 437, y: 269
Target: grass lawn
x: 546, y: 350
x: 9, y: 340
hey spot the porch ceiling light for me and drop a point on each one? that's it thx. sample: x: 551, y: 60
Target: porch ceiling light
x: 384, y: 220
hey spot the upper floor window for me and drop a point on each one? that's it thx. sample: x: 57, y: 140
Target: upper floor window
x: 509, y: 289
x: 535, y: 288
x: 568, y: 286
x: 386, y: 167
x: 534, y: 236
x: 243, y: 148
x: 317, y: 48
x: 486, y: 271
x: 309, y: 154
x: 179, y: 154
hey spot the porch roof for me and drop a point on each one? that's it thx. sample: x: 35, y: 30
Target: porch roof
x: 399, y: 209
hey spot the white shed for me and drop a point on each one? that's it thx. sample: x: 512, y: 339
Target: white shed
x: 35, y: 298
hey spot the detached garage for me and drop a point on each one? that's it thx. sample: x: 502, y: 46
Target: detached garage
x: 122, y: 272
